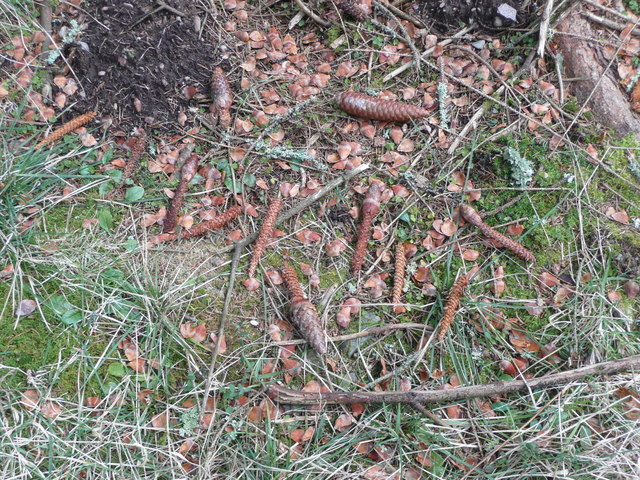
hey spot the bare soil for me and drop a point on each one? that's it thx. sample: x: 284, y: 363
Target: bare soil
x: 149, y: 58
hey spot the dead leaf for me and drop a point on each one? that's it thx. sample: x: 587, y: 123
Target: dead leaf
x: 26, y: 307
x: 29, y: 399
x: 161, y: 420
x: 50, y: 409
x: 343, y: 422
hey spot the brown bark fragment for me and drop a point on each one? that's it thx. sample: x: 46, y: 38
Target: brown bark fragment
x: 584, y: 60
x: 221, y: 99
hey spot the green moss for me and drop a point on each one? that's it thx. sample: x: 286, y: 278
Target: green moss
x: 27, y: 345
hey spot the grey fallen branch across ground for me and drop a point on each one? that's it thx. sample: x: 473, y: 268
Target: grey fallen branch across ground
x: 420, y: 397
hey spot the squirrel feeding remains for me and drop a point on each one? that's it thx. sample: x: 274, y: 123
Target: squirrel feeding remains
x: 370, y: 209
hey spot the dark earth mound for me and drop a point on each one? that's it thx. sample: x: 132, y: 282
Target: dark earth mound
x: 134, y: 56
x: 491, y: 14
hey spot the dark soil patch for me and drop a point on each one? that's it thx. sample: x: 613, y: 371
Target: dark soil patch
x: 151, y: 61
x: 490, y: 14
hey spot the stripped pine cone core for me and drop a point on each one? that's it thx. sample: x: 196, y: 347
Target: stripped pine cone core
x: 370, y: 209
x: 265, y: 234
x: 68, y: 127
x: 452, y: 305
x: 188, y: 171
x: 132, y: 165
x: 354, y: 9
x: 202, y: 228
x: 473, y: 217
x: 398, y: 278
x: 364, y: 106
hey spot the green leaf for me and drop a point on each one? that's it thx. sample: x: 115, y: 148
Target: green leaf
x: 71, y: 317
x: 131, y: 245
x: 249, y: 180
x: 117, y: 369
x: 134, y: 194
x: 105, y: 219
x: 405, y: 217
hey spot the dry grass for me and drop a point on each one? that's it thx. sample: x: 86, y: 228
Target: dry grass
x: 124, y: 292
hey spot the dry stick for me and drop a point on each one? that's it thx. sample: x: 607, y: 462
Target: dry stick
x: 286, y: 395
x: 390, y: 15
x: 544, y: 27
x: 308, y: 12
x: 223, y: 321
x: 70, y: 126
x: 307, y: 202
x: 401, y: 14
x: 605, y: 22
x: 369, y: 332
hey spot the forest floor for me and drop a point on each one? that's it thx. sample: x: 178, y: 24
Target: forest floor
x: 106, y: 337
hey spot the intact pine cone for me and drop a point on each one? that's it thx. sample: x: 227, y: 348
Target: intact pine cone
x: 364, y: 106
x: 265, y: 234
x: 452, y: 305
x: 304, y: 314
x: 370, y: 209
x: 358, y: 11
x: 187, y: 172
x: 68, y: 127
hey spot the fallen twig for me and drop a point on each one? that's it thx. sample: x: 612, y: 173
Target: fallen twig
x: 286, y: 395
x: 223, y: 321
x: 311, y: 14
x: 369, y: 332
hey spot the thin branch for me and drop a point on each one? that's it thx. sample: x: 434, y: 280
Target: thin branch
x: 287, y: 395
x: 223, y: 321
x: 311, y: 14
x: 369, y: 332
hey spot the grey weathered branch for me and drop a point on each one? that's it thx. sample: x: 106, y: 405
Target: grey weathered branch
x: 413, y: 397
